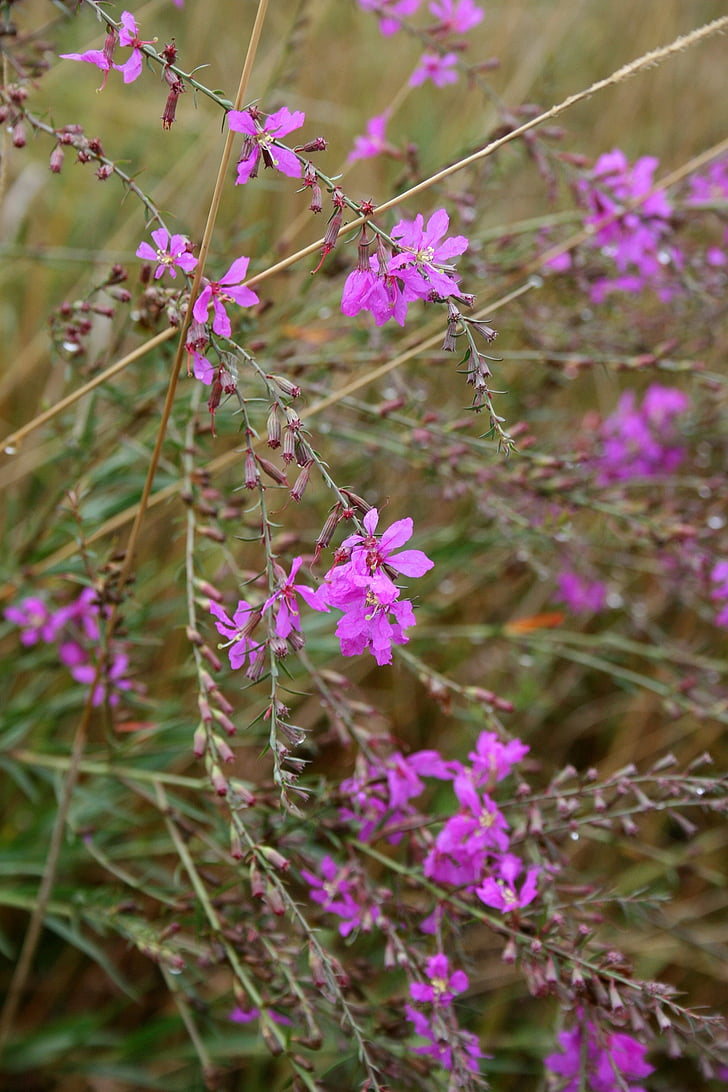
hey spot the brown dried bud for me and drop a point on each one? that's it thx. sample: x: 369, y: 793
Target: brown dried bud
x: 285, y: 385
x: 272, y: 470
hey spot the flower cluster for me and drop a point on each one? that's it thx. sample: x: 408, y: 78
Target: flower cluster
x: 642, y: 441
x: 452, y: 17
x: 419, y: 269
x: 602, y: 1063
x: 340, y: 891
x: 373, y: 616
x: 472, y: 849
x: 635, y: 240
x: 438, y: 1026
x: 75, y: 631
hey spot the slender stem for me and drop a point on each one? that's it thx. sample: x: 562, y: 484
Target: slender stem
x: 204, y: 249
x: 141, y: 350
x: 32, y: 935
x: 189, y: 1023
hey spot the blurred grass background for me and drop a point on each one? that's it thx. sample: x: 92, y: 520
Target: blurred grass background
x: 58, y: 235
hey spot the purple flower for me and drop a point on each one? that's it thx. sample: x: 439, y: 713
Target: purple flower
x: 710, y: 184
x: 493, y: 760
x: 102, y: 58
x: 260, y: 142
x: 392, y: 11
x: 113, y: 678
x: 635, y: 239
x: 580, y: 595
x: 719, y: 576
x: 604, y: 1064
x: 379, y: 551
x: 36, y: 622
x: 374, y: 143
x: 438, y: 67
x: 237, y: 630
x: 202, y: 369
x: 456, y: 16
x: 171, y: 251
x: 377, y: 291
x: 442, y: 986
x: 424, y: 255
x: 366, y: 624
x: 443, y: 1042
x: 247, y: 1016
x: 91, y: 56
x: 641, y: 442
x: 358, y: 585
x: 404, y: 772
x: 288, y: 616
x: 227, y: 290
x: 502, y: 894
x: 338, y: 895
x: 129, y: 36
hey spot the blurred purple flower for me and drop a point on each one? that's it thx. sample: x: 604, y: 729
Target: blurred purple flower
x: 719, y: 576
x: 605, y: 1063
x: 35, y: 620
x: 438, y: 67
x: 441, y: 1049
x: 635, y: 238
x: 456, y: 16
x: 388, y: 9
x: 493, y: 760
x: 337, y: 895
x: 374, y: 143
x: 642, y: 442
x: 581, y: 596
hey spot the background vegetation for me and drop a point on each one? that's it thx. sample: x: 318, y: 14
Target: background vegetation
x: 130, y: 986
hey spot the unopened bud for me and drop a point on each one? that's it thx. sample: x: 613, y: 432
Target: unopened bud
x: 273, y: 427
x: 56, y: 159
x: 276, y: 859
x: 251, y: 478
x: 271, y: 470
x: 199, y: 741
x: 225, y: 753
x: 218, y: 780
x: 236, y: 848
x: 301, y: 482
x: 285, y: 385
